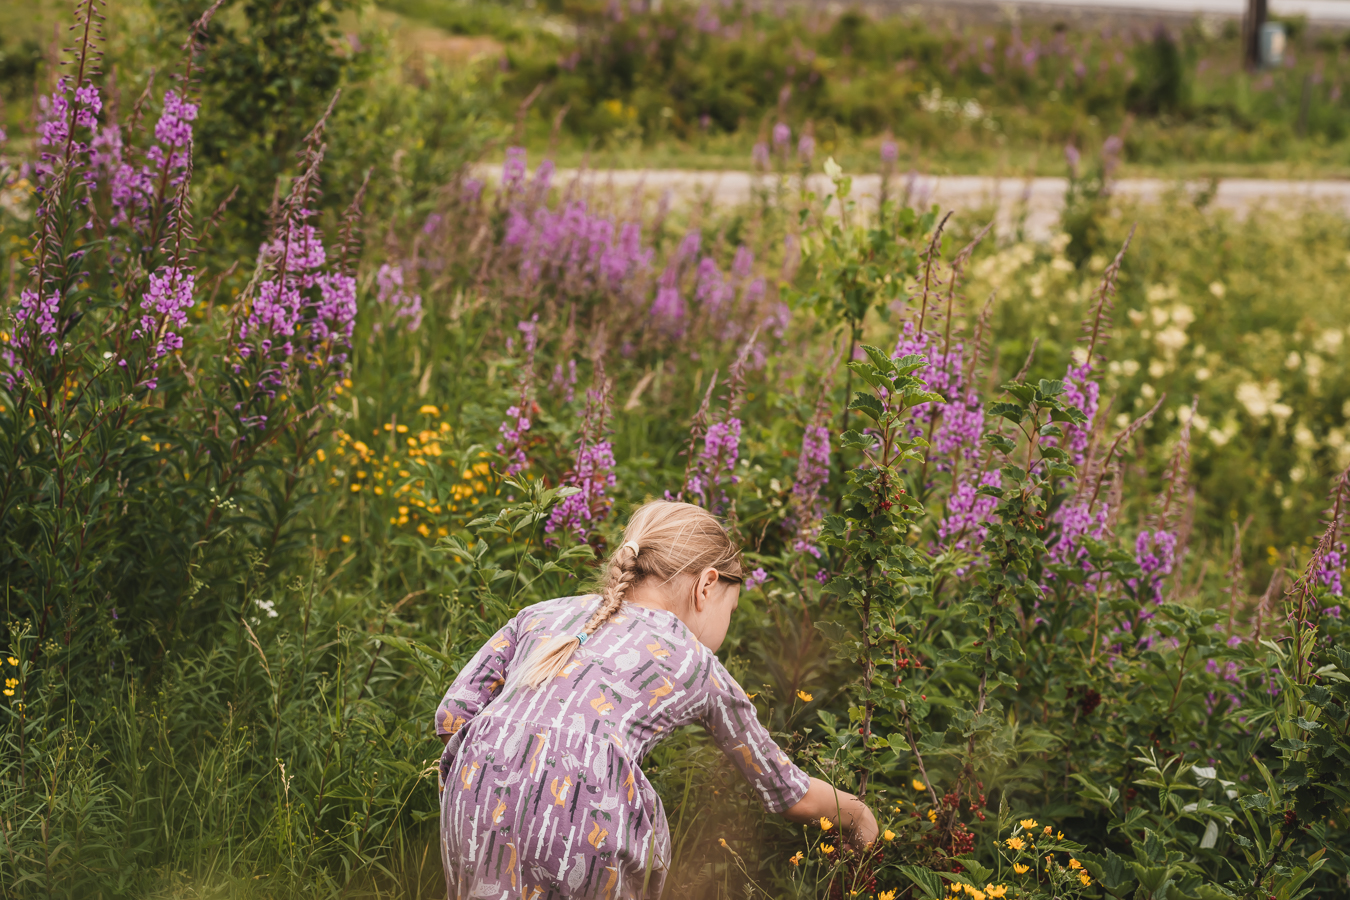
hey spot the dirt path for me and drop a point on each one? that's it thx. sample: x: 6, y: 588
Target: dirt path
x: 1035, y: 204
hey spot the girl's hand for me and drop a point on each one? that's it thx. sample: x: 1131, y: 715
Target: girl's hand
x: 863, y: 829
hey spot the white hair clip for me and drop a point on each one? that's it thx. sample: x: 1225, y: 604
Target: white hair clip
x: 633, y: 545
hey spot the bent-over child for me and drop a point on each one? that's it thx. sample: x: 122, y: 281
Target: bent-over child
x: 543, y: 797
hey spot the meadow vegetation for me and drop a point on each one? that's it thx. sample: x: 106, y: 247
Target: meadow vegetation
x: 295, y: 410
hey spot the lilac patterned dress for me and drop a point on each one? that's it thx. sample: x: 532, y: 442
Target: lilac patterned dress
x: 542, y: 796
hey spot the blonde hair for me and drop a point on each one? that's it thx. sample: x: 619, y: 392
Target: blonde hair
x: 664, y: 540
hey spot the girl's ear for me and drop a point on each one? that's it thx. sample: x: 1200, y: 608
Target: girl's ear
x: 703, y: 586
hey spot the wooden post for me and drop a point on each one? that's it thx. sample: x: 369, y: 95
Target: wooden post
x: 1251, y: 33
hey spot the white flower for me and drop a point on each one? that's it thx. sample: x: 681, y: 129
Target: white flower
x: 1293, y: 361
x: 1183, y: 315
x: 1257, y: 399
x: 1202, y: 374
x: 1171, y: 339
x: 1297, y: 474
x: 1157, y: 369
x: 1131, y: 368
x: 1304, y: 437
x: 1281, y: 411
x: 1329, y: 341
x: 1217, y: 289
x: 832, y: 169
x: 1147, y: 392
x: 1160, y: 315
x: 1060, y: 264
x: 1158, y: 293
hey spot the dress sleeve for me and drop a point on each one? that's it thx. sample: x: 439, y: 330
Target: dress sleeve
x: 477, y: 683
x: 730, y: 717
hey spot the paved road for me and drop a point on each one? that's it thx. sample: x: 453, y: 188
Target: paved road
x: 1330, y: 12
x: 1036, y: 202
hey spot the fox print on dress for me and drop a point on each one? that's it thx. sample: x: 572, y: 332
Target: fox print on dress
x: 542, y: 795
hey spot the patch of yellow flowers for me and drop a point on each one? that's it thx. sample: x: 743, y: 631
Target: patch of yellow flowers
x: 386, y: 466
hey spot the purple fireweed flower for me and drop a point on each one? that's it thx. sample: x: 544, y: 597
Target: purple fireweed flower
x: 566, y: 383
x: 962, y: 528
x: 592, y: 471
x: 1155, y: 552
x: 806, y: 149
x: 778, y: 319
x: 169, y: 297
x: 35, y: 316
x: 890, y: 152
x: 716, y: 464
x: 1329, y: 568
x: 742, y: 264
x: 1081, y: 391
x: 389, y: 292
x: 755, y: 579
x: 1075, y: 525
x: 1072, y: 156
x: 513, y: 170
x: 759, y: 156
x: 813, y: 473
x: 781, y: 135
x: 517, y: 423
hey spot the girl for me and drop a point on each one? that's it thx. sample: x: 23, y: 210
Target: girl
x: 542, y: 797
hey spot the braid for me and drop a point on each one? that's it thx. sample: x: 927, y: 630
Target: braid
x: 623, y: 571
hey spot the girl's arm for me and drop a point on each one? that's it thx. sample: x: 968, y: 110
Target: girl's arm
x: 823, y: 800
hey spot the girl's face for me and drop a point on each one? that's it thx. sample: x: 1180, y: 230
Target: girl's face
x: 710, y: 608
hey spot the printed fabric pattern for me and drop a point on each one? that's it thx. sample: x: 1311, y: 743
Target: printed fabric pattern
x: 542, y: 796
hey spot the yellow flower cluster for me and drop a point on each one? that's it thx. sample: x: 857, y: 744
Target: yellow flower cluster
x: 974, y: 893
x: 11, y: 683
x: 389, y: 465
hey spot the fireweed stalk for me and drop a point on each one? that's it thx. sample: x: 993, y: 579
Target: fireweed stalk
x: 592, y: 470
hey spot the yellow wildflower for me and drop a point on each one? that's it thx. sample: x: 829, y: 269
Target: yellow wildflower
x: 1027, y: 824
x: 346, y: 539
x: 1021, y: 869
x: 888, y: 835
x: 11, y: 682
x: 723, y: 842
x: 918, y: 785
x: 827, y: 848
x: 1016, y: 843
x: 804, y: 696
x: 956, y: 888
x: 1083, y: 877
x: 886, y: 895
x: 1060, y: 836
x: 996, y: 891
x: 932, y: 816
x: 429, y: 410
x: 11, y: 660
x: 8, y: 693
x: 825, y: 824
x: 1075, y: 864
x: 796, y: 858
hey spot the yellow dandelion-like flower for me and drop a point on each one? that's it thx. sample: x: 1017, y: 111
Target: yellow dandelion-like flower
x: 1000, y: 890
x: 886, y: 895
x: 932, y: 816
x: 825, y: 824
x: 956, y: 887
x: 888, y: 835
x: 1060, y: 836
x: 1047, y: 830
x: 1021, y: 869
x: 1027, y: 824
x: 428, y: 410
x: 1016, y: 843
x: 346, y: 539
x: 8, y: 693
x: 11, y: 660
x: 796, y: 858
x: 11, y: 682
x: 804, y: 696
x: 1083, y: 877
x: 356, y: 489
x: 827, y: 848
x: 1075, y: 864
x: 918, y: 785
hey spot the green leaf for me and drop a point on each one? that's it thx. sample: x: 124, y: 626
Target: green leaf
x: 928, y: 881
x: 869, y: 405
